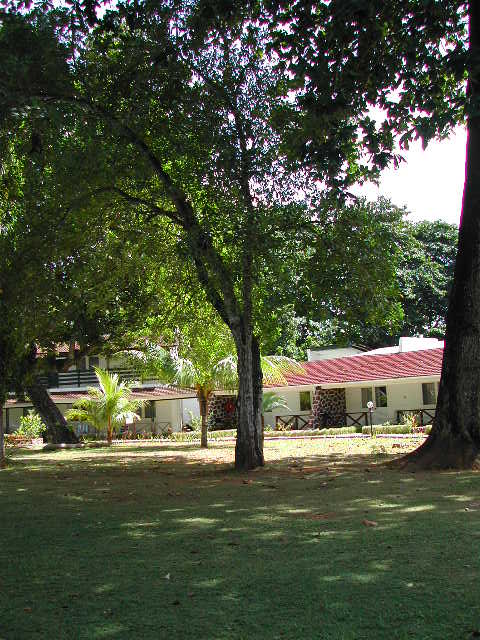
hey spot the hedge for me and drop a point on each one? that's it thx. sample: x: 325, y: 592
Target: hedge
x: 394, y: 428
x: 378, y: 429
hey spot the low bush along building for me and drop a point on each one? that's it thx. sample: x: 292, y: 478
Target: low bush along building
x: 334, y: 391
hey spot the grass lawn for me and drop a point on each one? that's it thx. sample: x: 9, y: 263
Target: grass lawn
x: 166, y: 541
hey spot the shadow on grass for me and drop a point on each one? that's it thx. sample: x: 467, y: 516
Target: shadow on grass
x: 280, y: 553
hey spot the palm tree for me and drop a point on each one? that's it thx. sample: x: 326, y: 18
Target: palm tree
x: 108, y: 406
x: 270, y: 402
x: 155, y: 361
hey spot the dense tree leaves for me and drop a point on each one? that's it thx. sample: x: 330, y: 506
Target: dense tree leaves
x: 369, y: 277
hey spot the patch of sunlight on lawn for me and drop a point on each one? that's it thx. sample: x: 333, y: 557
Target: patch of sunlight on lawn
x: 210, y: 583
x: 419, y: 507
x: 104, y: 588
x: 129, y: 525
x: 459, y: 498
x: 361, y: 578
x: 199, y: 521
x: 270, y: 535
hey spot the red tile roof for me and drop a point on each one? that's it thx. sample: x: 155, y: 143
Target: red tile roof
x: 387, y: 366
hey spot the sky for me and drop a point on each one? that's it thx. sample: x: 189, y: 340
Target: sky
x: 429, y: 183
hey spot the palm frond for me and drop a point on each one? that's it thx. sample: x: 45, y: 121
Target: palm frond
x: 111, y: 403
x: 226, y: 373
x: 272, y: 401
x: 275, y: 369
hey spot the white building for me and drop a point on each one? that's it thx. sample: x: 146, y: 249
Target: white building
x: 333, y: 391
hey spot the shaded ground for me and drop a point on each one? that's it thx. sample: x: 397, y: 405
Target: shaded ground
x: 155, y: 541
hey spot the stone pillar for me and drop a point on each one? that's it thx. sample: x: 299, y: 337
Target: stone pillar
x: 222, y: 412
x: 329, y: 406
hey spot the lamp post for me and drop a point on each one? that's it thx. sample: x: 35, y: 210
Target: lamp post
x: 370, y: 411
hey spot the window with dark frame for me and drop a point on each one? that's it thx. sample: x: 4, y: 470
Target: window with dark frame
x: 150, y: 409
x: 429, y: 393
x: 366, y: 396
x: 381, y: 396
x: 305, y: 401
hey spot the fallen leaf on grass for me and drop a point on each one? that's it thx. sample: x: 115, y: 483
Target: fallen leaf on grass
x: 27, y: 609
x: 248, y: 482
x: 370, y: 523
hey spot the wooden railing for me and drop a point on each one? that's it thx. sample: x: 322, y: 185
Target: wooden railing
x: 424, y: 416
x: 357, y: 419
x: 293, y: 422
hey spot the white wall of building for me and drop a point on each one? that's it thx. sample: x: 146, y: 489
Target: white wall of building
x: 400, y: 396
x: 292, y: 397
x: 189, y: 405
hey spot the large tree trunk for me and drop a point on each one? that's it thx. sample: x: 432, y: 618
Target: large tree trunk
x: 248, y: 450
x: 57, y: 429
x: 455, y: 438
x: 3, y: 460
x: 202, y: 397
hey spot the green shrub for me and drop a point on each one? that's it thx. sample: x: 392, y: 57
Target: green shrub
x: 31, y: 426
x: 337, y: 431
x: 193, y: 436
x: 292, y: 433
x: 195, y: 421
x: 392, y: 428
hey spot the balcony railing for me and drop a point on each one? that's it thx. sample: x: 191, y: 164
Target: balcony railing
x: 85, y: 378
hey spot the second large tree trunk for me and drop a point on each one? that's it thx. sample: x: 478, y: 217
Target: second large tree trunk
x: 57, y: 429
x: 202, y: 397
x: 3, y: 460
x: 455, y: 438
x: 249, y: 449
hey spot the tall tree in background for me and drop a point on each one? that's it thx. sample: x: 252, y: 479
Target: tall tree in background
x: 367, y: 278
